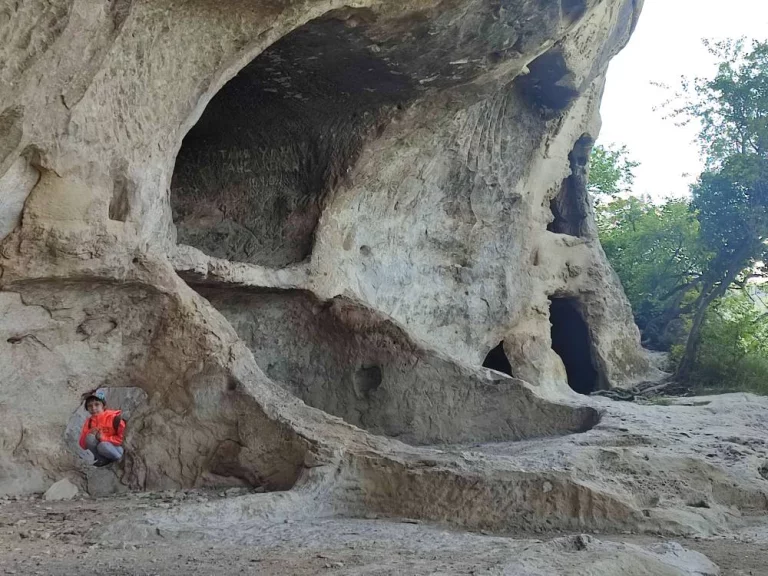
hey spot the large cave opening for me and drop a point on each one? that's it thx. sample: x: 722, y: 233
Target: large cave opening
x: 572, y: 342
x: 251, y: 176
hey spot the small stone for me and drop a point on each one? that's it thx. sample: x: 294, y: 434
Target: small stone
x: 61, y: 490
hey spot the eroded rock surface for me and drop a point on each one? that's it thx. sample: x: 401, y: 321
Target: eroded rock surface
x: 300, y: 228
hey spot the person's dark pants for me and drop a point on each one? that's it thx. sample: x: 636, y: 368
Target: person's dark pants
x: 103, y: 450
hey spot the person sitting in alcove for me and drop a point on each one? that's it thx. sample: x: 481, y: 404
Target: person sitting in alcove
x: 103, y: 432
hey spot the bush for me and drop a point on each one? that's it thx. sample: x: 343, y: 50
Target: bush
x: 733, y: 354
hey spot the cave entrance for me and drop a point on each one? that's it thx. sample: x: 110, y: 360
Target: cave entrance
x: 572, y: 342
x: 497, y: 360
x: 251, y: 176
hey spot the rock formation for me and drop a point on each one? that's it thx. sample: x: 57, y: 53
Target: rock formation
x: 309, y: 242
x: 343, y: 253
x: 241, y: 208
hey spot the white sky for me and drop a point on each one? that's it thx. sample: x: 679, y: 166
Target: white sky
x: 665, y: 46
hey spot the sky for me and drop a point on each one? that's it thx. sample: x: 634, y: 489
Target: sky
x: 667, y: 45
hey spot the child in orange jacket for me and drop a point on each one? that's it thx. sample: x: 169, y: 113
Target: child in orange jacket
x: 103, y: 432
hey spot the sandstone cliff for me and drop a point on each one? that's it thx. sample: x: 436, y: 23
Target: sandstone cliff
x: 281, y: 219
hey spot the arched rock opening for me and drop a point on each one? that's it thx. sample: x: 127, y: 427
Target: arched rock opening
x: 497, y: 360
x: 251, y: 175
x: 572, y: 342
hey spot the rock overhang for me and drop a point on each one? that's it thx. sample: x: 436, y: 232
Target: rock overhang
x: 430, y: 218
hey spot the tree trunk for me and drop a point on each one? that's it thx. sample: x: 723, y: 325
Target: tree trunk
x: 709, y: 293
x: 685, y: 367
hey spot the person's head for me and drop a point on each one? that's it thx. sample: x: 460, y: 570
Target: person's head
x: 96, y: 402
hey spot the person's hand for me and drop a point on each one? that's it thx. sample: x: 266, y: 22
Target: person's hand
x: 97, y: 435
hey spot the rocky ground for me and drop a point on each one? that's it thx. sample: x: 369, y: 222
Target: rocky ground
x: 62, y: 538
x: 695, y: 468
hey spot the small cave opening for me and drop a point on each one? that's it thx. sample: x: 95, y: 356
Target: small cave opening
x: 572, y: 342
x: 497, y: 360
x: 571, y: 206
x: 549, y: 85
x: 366, y: 380
x: 252, y: 175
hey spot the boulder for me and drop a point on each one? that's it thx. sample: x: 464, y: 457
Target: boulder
x: 61, y: 490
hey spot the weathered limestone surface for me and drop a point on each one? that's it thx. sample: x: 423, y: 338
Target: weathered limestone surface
x: 298, y: 228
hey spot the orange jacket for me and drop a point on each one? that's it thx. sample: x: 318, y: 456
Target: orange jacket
x: 104, y: 423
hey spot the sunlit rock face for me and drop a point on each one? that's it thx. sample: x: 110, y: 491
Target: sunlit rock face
x: 290, y: 222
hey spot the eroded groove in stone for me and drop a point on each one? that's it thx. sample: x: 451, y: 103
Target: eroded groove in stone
x: 350, y: 362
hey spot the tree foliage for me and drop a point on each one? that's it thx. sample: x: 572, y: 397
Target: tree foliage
x: 666, y: 258
x: 655, y: 250
x: 732, y: 107
x: 610, y: 172
x: 731, y: 196
x: 733, y: 353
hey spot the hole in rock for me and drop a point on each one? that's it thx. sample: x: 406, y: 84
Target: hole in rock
x: 251, y: 176
x: 120, y: 203
x: 497, y: 360
x: 570, y: 208
x: 367, y: 379
x: 548, y: 86
x: 572, y: 342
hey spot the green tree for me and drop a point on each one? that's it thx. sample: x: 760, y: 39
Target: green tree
x: 610, y: 172
x: 733, y: 353
x: 732, y: 205
x: 730, y: 196
x: 655, y: 251
x: 732, y: 107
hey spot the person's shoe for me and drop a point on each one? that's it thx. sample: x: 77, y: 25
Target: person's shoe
x: 100, y: 462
